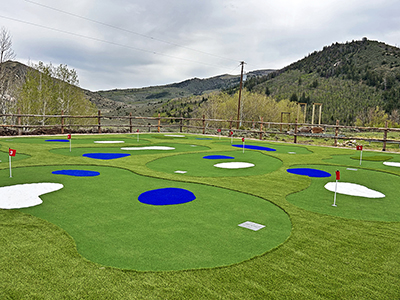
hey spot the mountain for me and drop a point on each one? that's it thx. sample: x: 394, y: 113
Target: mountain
x: 149, y: 100
x: 350, y: 80
x: 142, y: 101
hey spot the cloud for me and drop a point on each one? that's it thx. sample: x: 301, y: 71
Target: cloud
x: 152, y: 42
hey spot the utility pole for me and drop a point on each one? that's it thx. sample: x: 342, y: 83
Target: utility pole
x: 240, y: 94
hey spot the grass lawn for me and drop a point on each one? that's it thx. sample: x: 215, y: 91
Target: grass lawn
x: 93, y: 239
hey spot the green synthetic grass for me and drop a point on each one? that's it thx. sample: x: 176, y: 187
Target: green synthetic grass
x: 166, y: 137
x: 325, y: 257
x: 79, y: 151
x: 4, y: 157
x: 318, y: 199
x: 279, y: 147
x: 373, y: 164
x: 127, y: 139
x: 373, y: 158
x: 111, y: 227
x: 196, y: 165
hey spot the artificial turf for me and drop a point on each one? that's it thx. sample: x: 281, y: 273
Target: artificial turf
x: 325, y: 257
x: 111, y: 227
x: 4, y: 158
x: 278, y: 147
x: 196, y: 165
x: 373, y: 157
x: 79, y: 151
x: 318, y: 199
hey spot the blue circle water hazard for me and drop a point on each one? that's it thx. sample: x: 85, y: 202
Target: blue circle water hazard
x: 166, y: 196
x: 76, y: 173
x: 105, y: 156
x: 253, y: 147
x: 309, y: 172
x: 218, y: 157
x: 60, y: 141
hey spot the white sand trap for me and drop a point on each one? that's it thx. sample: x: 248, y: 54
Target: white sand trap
x: 352, y: 169
x: 175, y: 135
x: 292, y: 152
x: 234, y: 165
x: 180, y: 172
x: 149, y: 148
x: 25, y: 195
x: 251, y: 225
x: 352, y: 189
x: 109, y: 142
x: 391, y: 164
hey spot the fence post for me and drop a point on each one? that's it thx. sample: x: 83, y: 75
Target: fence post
x: 295, y: 132
x: 62, y: 121
x: 336, y: 132
x: 180, y: 124
x: 130, y: 122
x: 99, y: 121
x: 204, y: 124
x: 19, y: 121
x: 261, y: 128
x: 159, y: 123
x: 385, y: 136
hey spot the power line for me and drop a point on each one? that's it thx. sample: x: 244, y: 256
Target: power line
x: 109, y: 42
x: 128, y: 31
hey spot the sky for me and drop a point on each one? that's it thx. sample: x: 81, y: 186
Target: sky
x: 118, y: 44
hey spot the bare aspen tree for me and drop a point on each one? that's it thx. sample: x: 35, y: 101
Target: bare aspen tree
x: 6, y: 54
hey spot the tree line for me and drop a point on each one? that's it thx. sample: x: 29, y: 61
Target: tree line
x: 40, y: 89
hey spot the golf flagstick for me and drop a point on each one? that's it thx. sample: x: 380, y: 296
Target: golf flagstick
x: 337, y: 178
x: 11, y: 152
x: 360, y: 147
x: 219, y: 134
x: 231, y: 134
x: 70, y: 142
x: 137, y: 134
x: 243, y: 143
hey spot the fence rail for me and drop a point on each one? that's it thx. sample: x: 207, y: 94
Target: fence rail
x: 260, y: 128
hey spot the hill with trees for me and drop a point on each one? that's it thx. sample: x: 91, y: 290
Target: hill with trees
x: 171, y: 99
x: 354, y: 81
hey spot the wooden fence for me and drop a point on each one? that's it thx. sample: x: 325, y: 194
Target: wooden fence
x: 197, y: 125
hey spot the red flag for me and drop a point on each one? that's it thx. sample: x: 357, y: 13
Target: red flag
x: 219, y: 130
x: 337, y: 175
x: 231, y: 133
x: 243, y: 139
x: 12, y: 152
x: 69, y: 136
x: 359, y: 147
x: 137, y: 130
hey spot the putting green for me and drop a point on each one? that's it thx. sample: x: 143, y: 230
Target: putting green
x: 318, y: 199
x: 111, y: 227
x: 196, y: 165
x: 4, y: 157
x: 128, y: 140
x: 280, y: 148
x: 170, y: 136
x: 77, y: 151
x: 369, y: 158
x: 373, y: 157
